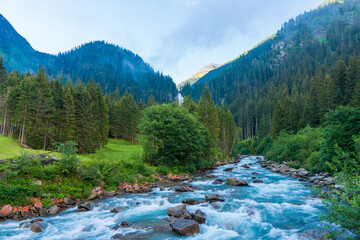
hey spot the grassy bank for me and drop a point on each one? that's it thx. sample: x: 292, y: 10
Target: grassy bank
x: 70, y: 174
x: 11, y: 148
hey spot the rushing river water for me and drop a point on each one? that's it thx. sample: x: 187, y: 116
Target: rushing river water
x: 279, y: 208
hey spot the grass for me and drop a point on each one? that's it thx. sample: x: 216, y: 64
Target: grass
x: 11, y: 148
x: 115, y: 150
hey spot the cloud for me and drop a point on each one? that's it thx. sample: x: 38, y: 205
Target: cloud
x: 177, y: 37
x: 217, y: 31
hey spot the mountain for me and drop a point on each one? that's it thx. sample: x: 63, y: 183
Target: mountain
x: 303, y: 62
x: 203, y: 71
x: 109, y: 65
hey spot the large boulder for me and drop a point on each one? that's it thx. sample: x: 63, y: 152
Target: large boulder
x: 6, y: 211
x: 178, y: 212
x: 185, y: 227
x: 236, y: 182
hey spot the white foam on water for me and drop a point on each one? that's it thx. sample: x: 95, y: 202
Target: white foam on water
x: 214, y: 232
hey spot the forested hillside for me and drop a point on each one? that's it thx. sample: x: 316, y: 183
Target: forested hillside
x: 309, y: 67
x: 107, y: 64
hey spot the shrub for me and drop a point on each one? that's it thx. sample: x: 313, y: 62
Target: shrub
x: 69, y: 161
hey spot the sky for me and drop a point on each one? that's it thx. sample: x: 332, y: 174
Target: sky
x: 177, y: 37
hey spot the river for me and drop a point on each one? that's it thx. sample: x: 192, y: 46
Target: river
x: 278, y: 208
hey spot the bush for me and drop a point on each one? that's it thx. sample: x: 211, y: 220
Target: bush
x: 343, y: 207
x: 246, y: 147
x: 298, y: 147
x: 18, y: 191
x: 264, y: 146
x: 69, y: 161
x: 341, y: 126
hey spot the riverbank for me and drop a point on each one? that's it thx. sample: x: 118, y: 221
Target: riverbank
x: 42, y: 207
x: 277, y: 208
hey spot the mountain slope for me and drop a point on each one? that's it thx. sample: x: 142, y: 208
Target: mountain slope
x: 202, y: 72
x: 310, y: 45
x: 107, y: 64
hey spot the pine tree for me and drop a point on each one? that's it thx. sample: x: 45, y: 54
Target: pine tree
x: 208, y: 115
x: 340, y: 83
x: 355, y: 99
x: 285, y: 115
x: 151, y: 101
x: 326, y: 97
x: 69, y: 114
x: 350, y: 80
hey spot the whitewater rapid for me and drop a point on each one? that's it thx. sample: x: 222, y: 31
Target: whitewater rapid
x: 278, y: 208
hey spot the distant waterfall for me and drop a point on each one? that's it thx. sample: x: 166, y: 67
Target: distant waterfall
x: 180, y: 99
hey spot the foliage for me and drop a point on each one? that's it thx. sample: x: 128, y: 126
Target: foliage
x: 246, y: 146
x: 298, y: 147
x: 343, y: 207
x: 341, y: 126
x: 317, y: 75
x: 174, y: 137
x: 68, y: 161
x: 111, y: 66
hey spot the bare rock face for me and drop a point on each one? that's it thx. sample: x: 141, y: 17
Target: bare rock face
x: 236, y: 182
x: 185, y: 227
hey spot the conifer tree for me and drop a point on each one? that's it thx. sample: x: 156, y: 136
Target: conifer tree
x: 350, y: 80
x: 208, y: 114
x: 151, y: 101
x: 69, y: 114
x: 355, y: 99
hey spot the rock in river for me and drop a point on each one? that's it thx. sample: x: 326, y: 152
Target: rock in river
x: 213, y: 198
x: 198, y: 216
x: 236, y: 182
x: 185, y: 227
x: 218, y: 181
x: 190, y: 202
x: 178, y: 212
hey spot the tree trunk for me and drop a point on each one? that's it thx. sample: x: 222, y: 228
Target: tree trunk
x: 4, y: 123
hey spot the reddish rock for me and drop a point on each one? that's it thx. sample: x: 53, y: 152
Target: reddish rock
x: 38, y: 205
x: 25, y: 212
x: 6, y: 211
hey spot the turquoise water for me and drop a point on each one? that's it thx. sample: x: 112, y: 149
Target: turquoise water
x: 279, y: 208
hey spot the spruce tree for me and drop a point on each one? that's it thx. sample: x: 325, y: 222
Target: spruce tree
x: 208, y: 114
x: 350, y: 80
x: 69, y: 114
x: 151, y: 101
